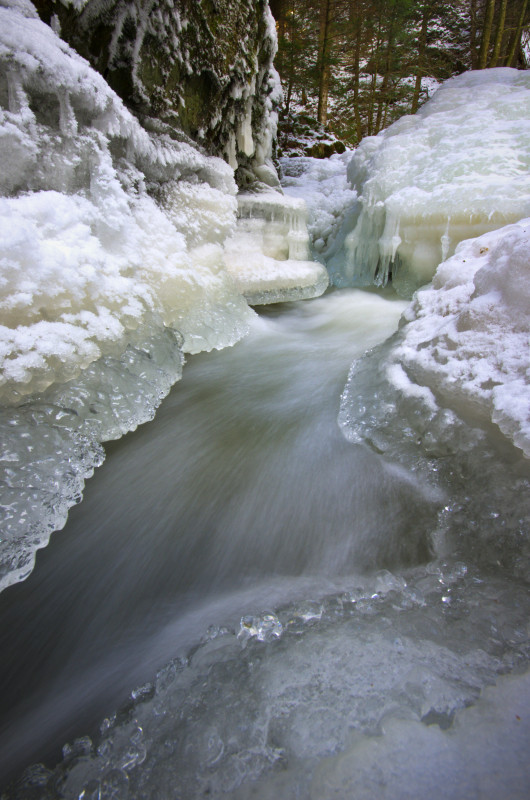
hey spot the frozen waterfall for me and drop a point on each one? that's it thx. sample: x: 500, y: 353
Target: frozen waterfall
x: 455, y: 170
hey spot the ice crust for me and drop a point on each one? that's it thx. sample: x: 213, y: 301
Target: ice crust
x: 455, y: 170
x: 111, y: 247
x: 326, y: 696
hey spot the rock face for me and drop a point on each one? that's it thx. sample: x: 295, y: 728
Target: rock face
x: 202, y: 68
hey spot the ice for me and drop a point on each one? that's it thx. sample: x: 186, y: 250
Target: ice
x: 464, y: 342
x: 324, y: 702
x: 111, y: 251
x: 322, y: 184
x: 268, y: 253
x: 455, y: 170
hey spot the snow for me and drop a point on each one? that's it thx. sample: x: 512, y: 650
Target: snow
x: 467, y: 335
x: 455, y: 170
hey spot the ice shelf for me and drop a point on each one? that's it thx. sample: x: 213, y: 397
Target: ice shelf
x: 268, y: 253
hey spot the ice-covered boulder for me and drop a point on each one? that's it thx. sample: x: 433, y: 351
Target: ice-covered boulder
x: 455, y: 170
x: 268, y: 253
x: 199, y: 69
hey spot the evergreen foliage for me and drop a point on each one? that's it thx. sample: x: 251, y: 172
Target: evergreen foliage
x: 358, y: 65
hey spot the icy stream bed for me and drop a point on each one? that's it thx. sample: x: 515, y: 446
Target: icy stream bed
x: 246, y: 604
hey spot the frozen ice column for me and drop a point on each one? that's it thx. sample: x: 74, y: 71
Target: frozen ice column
x: 268, y: 254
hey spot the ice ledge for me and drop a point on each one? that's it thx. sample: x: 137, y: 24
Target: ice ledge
x: 263, y: 280
x: 267, y: 256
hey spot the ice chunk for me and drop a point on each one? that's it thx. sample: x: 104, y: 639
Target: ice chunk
x: 268, y: 253
x: 455, y: 170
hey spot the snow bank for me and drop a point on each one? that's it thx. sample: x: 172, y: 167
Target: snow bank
x: 111, y: 266
x: 468, y: 334
x: 455, y: 170
x: 463, y: 349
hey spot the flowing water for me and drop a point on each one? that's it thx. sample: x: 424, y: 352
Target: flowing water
x: 266, y: 589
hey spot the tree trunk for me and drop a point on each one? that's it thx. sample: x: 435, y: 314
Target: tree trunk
x: 383, y: 99
x: 323, y: 60
x: 516, y: 40
x: 499, y: 35
x: 357, y: 57
x: 486, y: 35
x: 421, y: 57
x: 375, y: 49
x: 473, y: 33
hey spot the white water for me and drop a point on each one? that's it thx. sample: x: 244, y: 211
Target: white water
x: 243, y: 497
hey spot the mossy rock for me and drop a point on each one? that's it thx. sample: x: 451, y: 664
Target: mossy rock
x: 186, y: 74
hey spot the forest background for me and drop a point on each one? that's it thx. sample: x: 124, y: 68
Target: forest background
x: 355, y: 66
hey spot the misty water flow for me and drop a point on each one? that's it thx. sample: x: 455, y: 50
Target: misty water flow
x: 243, y: 478
x: 243, y: 499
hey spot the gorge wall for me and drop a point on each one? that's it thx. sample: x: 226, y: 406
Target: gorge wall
x: 201, y: 70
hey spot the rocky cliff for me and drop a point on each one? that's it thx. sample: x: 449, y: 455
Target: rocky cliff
x: 200, y: 69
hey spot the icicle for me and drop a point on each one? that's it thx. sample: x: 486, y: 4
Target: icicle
x: 445, y: 239
x: 17, y: 98
x: 67, y: 120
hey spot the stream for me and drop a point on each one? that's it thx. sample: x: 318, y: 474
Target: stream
x: 269, y: 592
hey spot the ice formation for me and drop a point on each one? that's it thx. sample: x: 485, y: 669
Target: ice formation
x: 111, y: 247
x: 325, y: 698
x: 455, y: 170
x: 463, y: 346
x: 268, y: 253
x: 323, y: 185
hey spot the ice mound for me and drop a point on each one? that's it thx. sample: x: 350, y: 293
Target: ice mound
x: 462, y: 350
x: 463, y: 347
x: 468, y: 333
x: 455, y: 170
x: 268, y: 253
x: 87, y: 253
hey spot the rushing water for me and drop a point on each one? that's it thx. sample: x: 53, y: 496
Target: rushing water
x: 243, y: 499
